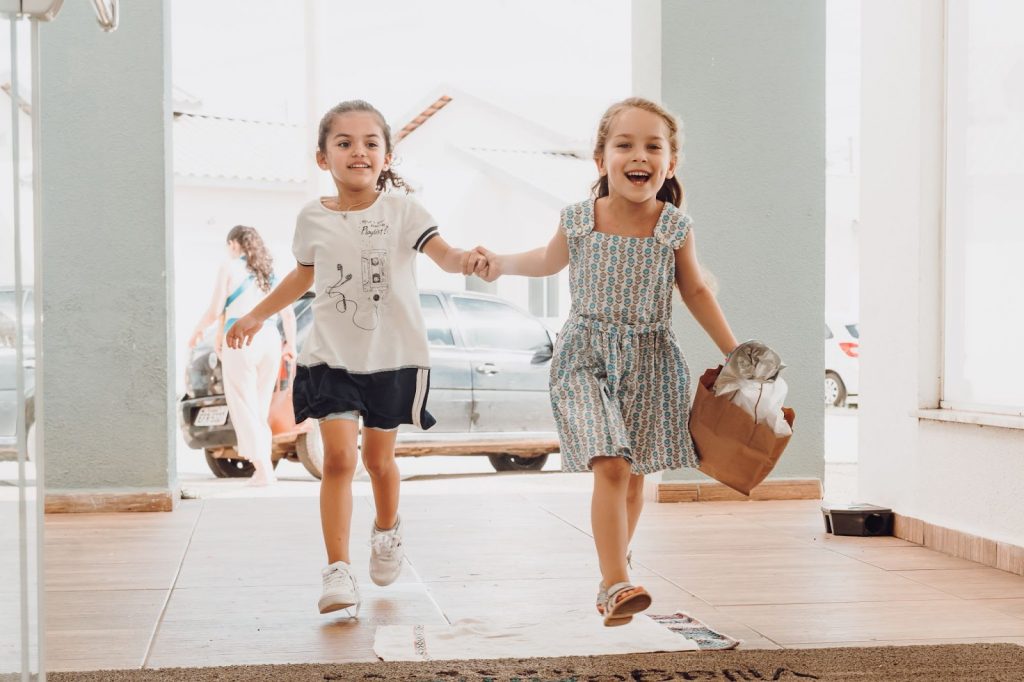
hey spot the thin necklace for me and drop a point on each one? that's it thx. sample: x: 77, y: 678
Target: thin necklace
x: 356, y: 205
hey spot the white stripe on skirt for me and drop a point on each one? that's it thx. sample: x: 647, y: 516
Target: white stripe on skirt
x: 420, y: 396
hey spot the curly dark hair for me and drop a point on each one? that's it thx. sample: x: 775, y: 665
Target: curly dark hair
x: 257, y: 258
x: 386, y: 176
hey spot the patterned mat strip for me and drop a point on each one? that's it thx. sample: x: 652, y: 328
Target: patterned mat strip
x: 694, y: 630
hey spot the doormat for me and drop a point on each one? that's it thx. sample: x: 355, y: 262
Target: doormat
x: 942, y: 663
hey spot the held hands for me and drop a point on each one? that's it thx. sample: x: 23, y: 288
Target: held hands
x: 492, y: 268
x: 243, y: 330
x: 483, y: 263
x: 473, y: 263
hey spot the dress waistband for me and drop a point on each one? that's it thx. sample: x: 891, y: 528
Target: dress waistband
x: 621, y: 327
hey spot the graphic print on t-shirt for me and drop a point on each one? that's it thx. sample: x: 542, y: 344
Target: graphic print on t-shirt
x: 375, y: 273
x: 365, y: 310
x: 375, y: 264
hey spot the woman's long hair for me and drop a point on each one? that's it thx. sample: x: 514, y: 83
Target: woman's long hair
x: 257, y: 258
x: 671, y: 190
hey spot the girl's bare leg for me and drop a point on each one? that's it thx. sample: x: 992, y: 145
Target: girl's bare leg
x: 340, y: 457
x: 379, y: 460
x: 634, y: 504
x: 608, y: 517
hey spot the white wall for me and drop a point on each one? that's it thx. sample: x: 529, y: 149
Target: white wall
x: 965, y: 477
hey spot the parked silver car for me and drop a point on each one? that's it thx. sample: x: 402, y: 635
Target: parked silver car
x: 488, y: 391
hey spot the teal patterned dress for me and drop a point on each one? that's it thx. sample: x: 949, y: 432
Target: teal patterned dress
x: 620, y: 386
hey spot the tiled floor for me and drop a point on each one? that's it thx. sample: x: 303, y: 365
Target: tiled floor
x: 234, y: 577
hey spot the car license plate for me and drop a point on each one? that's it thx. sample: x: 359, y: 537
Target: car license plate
x: 212, y: 416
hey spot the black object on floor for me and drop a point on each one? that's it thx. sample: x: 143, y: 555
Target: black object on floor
x: 857, y: 519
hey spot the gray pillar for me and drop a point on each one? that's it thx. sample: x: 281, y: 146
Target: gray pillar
x: 107, y: 280
x: 748, y: 80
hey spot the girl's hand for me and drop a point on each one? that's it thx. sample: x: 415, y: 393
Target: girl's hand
x: 473, y: 263
x: 288, y: 352
x: 243, y: 330
x: 196, y: 337
x: 494, y: 268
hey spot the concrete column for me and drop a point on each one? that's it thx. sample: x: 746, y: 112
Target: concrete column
x: 748, y: 81
x: 107, y: 281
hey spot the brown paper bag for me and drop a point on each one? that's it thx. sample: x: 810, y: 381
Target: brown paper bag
x: 733, y: 449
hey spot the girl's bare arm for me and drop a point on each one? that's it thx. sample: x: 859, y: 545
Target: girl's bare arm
x: 541, y: 262
x: 451, y: 259
x: 220, y: 294
x: 699, y: 298
x: 294, y: 284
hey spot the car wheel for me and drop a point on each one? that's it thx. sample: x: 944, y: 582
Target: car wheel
x: 517, y: 463
x: 835, y: 390
x: 234, y: 467
x: 310, y: 449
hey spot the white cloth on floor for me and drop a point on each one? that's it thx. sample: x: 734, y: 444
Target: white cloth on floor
x: 578, y: 635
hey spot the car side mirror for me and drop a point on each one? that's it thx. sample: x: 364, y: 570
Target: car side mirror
x: 543, y: 354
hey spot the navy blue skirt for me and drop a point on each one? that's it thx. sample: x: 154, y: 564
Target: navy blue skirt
x: 385, y: 399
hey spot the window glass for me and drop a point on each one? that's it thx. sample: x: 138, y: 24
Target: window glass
x: 491, y: 324
x: 984, y: 244
x: 439, y: 329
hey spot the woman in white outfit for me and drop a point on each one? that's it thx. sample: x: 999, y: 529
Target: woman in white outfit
x: 250, y: 372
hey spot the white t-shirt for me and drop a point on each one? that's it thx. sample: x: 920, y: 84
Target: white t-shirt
x: 366, y: 314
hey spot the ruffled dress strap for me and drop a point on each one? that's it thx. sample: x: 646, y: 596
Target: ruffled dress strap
x: 672, y: 227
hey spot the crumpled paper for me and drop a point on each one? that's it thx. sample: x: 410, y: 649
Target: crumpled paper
x: 751, y: 376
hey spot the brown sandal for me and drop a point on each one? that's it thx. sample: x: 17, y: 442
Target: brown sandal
x: 623, y: 602
x: 602, y: 593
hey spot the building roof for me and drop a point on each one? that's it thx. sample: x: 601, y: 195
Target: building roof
x: 235, y: 149
x: 23, y: 102
x: 522, y: 150
x: 422, y: 117
x: 446, y: 95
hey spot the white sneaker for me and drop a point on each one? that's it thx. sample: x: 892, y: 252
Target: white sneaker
x: 340, y: 589
x: 386, y: 554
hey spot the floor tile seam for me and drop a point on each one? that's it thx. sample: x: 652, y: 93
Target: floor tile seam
x: 893, y: 570
x: 712, y: 606
x: 51, y: 589
x: 900, y: 602
x: 170, y: 591
x: 506, y: 579
x: 832, y: 603
x: 760, y: 634
x: 839, y: 638
x: 561, y: 518
x: 426, y: 588
x: 911, y: 641
x: 938, y: 589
